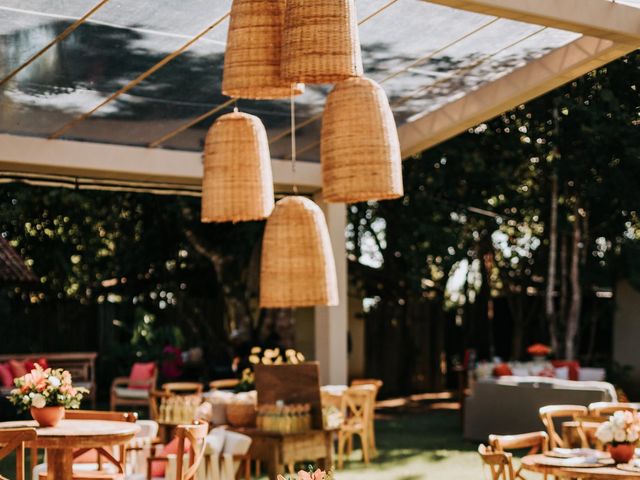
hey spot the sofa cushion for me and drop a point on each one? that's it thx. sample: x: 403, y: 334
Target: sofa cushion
x: 132, y: 393
x: 30, y: 364
x: 17, y: 368
x: 158, y: 469
x: 6, y: 377
x: 572, y: 365
x: 140, y: 375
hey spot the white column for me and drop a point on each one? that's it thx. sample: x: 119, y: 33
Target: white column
x: 331, y: 323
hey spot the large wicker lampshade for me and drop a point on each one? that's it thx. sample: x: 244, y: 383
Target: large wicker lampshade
x: 359, y: 148
x: 252, y: 57
x: 297, y: 266
x: 237, y: 184
x: 320, y: 41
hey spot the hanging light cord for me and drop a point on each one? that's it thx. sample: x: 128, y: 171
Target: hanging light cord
x: 293, y: 138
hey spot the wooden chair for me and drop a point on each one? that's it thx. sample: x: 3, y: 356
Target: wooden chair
x: 224, y: 384
x: 14, y: 439
x: 183, y: 388
x: 609, y: 408
x: 377, y: 385
x: 586, y: 426
x: 500, y: 463
x: 534, y: 441
x: 551, y: 412
x: 196, y: 435
x: 122, y: 395
x: 356, y: 408
x: 118, y: 462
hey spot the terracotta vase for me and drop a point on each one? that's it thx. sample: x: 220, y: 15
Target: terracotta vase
x: 622, y: 452
x: 47, y: 416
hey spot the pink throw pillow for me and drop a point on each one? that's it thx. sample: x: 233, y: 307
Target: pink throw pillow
x: 6, y: 377
x: 30, y: 364
x: 140, y: 375
x: 158, y: 469
x: 17, y: 368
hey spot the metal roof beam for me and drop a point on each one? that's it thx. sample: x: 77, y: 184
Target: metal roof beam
x: 127, y: 164
x: 519, y: 86
x: 597, y: 18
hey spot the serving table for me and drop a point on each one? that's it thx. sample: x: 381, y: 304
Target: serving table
x: 531, y: 463
x: 280, y: 449
x: 60, y: 441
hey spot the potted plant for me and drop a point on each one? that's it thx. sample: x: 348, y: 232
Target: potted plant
x: 620, y: 434
x: 46, y: 393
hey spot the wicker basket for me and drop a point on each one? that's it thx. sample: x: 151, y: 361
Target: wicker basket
x: 252, y: 56
x: 297, y: 266
x: 241, y: 414
x: 320, y: 41
x: 237, y: 184
x: 359, y: 148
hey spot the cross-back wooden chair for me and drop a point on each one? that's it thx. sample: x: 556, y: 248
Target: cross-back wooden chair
x: 118, y: 462
x: 224, y: 384
x: 356, y: 408
x: 552, y: 412
x: 195, y: 434
x: 183, y: 388
x: 377, y: 385
x: 499, y: 463
x: 586, y: 429
x: 536, y: 442
x: 14, y: 439
x: 609, y: 408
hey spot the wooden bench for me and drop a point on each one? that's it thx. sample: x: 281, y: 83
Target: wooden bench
x: 81, y: 365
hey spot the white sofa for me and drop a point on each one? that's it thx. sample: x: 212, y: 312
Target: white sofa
x: 509, y: 405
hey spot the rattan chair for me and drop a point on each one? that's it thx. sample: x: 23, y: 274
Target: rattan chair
x: 551, y: 412
x: 13, y: 440
x: 535, y: 441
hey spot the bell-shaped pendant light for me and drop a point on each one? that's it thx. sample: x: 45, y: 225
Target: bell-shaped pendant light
x: 297, y: 265
x: 237, y: 184
x: 252, y: 56
x: 320, y: 42
x: 359, y: 147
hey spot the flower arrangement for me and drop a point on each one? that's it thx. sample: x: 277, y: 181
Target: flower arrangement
x: 46, y: 388
x: 311, y: 475
x: 539, y: 350
x: 274, y: 356
x: 622, y: 427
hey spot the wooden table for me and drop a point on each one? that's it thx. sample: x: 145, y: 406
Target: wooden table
x: 60, y: 441
x: 278, y: 450
x: 604, y: 473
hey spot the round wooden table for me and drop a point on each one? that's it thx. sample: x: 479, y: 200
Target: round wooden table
x: 530, y: 462
x: 60, y: 441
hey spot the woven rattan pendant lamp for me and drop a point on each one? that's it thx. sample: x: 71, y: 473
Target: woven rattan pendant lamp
x: 359, y: 148
x: 297, y: 265
x: 237, y: 184
x: 252, y: 57
x: 320, y: 41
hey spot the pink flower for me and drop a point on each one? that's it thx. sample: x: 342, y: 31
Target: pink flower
x: 317, y: 475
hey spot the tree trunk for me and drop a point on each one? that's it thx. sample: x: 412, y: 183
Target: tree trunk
x: 573, y: 318
x: 550, y: 312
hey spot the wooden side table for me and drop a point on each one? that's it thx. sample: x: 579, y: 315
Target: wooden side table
x: 278, y: 450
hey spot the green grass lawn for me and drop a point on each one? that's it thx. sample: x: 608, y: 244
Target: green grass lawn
x: 426, y: 445
x: 412, y: 446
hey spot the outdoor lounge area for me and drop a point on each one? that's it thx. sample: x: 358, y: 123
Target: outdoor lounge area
x: 319, y: 239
